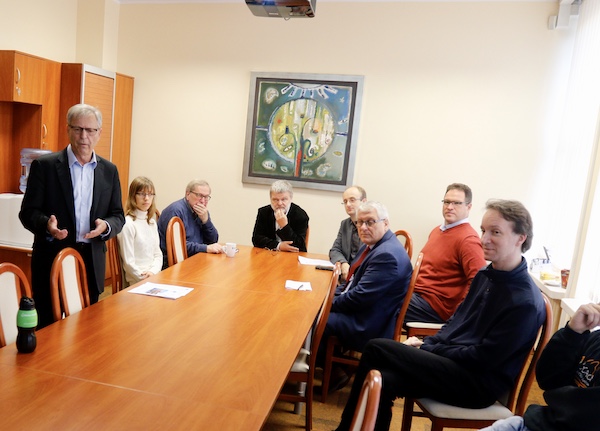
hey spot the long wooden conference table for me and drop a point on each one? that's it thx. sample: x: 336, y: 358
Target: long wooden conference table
x: 214, y: 359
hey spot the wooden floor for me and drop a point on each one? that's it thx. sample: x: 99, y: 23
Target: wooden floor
x: 326, y: 417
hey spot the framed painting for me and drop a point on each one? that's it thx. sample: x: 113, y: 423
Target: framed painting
x: 302, y: 128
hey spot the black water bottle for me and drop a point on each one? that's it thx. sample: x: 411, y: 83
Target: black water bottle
x: 27, y: 320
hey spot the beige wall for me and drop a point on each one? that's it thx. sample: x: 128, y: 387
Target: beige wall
x: 453, y: 92
x: 40, y: 27
x: 465, y: 92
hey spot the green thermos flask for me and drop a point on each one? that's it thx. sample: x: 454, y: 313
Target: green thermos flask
x: 27, y: 320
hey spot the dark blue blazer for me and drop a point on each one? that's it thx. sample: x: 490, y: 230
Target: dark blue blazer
x: 369, y: 308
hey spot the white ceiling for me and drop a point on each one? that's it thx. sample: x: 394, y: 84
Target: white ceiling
x: 332, y: 1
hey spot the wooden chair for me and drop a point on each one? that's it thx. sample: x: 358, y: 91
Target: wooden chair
x: 368, y: 403
x: 307, y: 236
x: 13, y: 286
x: 68, y: 284
x: 352, y: 357
x: 405, y: 238
x: 176, y: 242
x: 447, y: 416
x: 303, y: 370
x: 406, y: 302
x: 422, y: 329
x: 113, y: 261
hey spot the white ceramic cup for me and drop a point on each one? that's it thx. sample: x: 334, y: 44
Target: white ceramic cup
x: 230, y: 249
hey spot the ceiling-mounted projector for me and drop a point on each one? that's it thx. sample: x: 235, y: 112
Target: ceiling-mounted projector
x: 283, y: 8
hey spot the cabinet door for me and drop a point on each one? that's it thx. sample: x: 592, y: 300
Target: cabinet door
x: 50, y: 107
x: 22, y: 77
x: 82, y: 83
x: 122, y: 129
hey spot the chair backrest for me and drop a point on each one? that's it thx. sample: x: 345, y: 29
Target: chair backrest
x: 13, y: 286
x: 176, y: 242
x: 113, y: 258
x: 406, y: 301
x: 368, y: 403
x: 517, y: 400
x: 307, y: 236
x: 323, y: 316
x: 405, y: 238
x: 68, y: 284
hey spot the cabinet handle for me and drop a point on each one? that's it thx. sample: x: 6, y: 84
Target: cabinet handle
x: 18, y: 76
x: 44, y: 131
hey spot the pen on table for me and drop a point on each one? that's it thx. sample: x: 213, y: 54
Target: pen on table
x: 300, y: 287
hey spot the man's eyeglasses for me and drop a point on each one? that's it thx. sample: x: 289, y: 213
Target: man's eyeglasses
x: 369, y: 223
x: 454, y: 203
x: 145, y: 195
x: 349, y: 200
x: 201, y: 196
x: 88, y: 130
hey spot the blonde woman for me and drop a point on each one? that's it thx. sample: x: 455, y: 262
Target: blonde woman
x: 138, y: 241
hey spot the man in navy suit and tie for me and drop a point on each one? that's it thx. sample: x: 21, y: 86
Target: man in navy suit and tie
x: 73, y: 199
x: 365, y: 306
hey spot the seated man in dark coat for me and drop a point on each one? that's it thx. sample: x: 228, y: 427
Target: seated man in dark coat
x: 282, y: 225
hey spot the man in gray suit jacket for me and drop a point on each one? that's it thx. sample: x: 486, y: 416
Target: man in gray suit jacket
x: 73, y: 199
x: 348, y: 241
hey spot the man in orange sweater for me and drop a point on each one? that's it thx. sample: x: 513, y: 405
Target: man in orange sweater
x: 451, y: 258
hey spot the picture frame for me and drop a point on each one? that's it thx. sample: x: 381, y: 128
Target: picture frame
x: 302, y: 128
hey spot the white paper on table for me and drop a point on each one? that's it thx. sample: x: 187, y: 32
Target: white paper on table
x: 297, y: 285
x: 162, y: 290
x: 306, y: 261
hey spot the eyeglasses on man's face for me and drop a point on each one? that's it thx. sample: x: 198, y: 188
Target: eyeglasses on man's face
x: 369, y: 223
x: 80, y: 130
x: 350, y: 201
x: 447, y: 203
x: 201, y: 196
x: 145, y: 195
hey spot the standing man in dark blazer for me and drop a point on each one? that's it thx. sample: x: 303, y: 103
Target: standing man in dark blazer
x: 282, y: 225
x: 73, y: 199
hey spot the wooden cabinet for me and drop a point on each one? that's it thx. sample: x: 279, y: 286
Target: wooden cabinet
x: 81, y: 83
x: 21, y: 77
x: 112, y: 93
x: 50, y: 107
x: 35, y: 95
x: 122, y: 129
x: 29, y: 101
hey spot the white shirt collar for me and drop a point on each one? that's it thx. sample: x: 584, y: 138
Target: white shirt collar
x: 444, y: 227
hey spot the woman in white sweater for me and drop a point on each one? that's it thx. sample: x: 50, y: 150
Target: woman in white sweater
x: 138, y: 241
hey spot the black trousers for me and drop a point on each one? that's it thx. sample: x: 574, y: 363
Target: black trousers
x: 409, y: 371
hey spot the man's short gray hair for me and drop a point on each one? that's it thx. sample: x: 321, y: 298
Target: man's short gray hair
x: 282, y: 186
x: 382, y: 212
x: 83, y: 110
x: 195, y: 183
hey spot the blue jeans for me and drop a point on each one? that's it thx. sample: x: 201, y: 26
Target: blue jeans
x: 513, y: 423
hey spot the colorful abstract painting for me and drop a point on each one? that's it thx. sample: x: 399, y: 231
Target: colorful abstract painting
x: 301, y: 128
